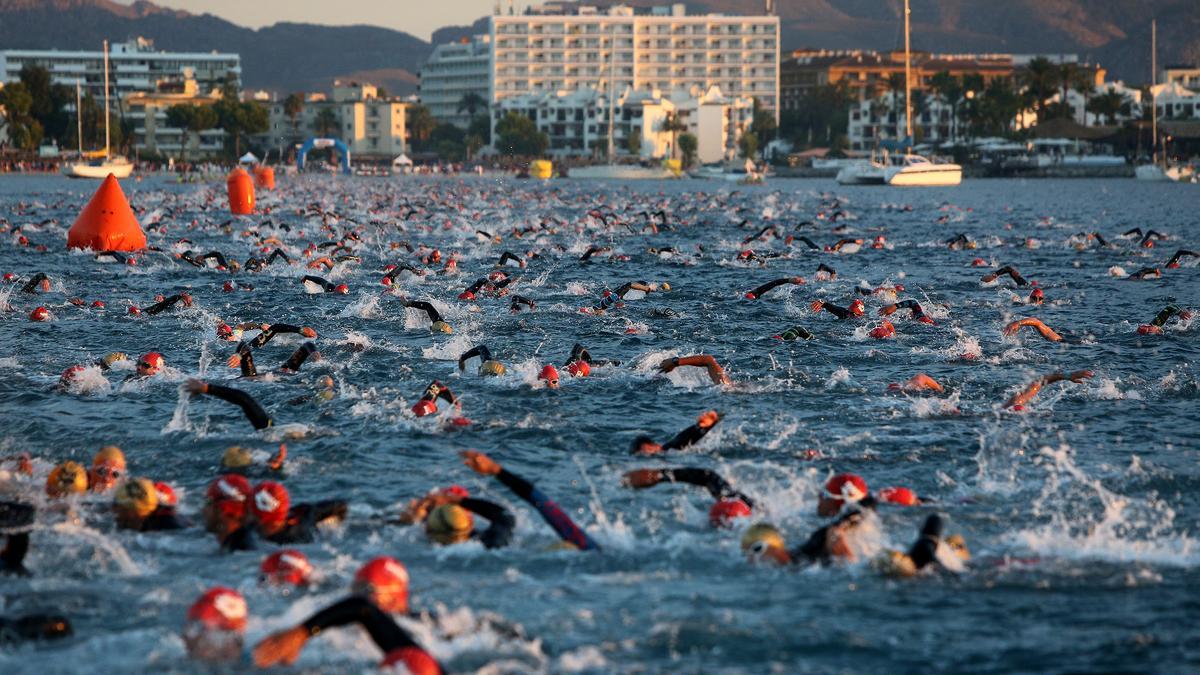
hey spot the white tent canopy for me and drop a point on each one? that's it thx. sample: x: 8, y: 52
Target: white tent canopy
x: 248, y: 158
x: 402, y: 160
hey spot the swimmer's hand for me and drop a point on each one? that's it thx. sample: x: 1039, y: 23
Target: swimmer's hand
x: 234, y: 361
x: 276, y: 462
x: 280, y: 648
x: 668, y: 365
x: 1080, y: 375
x: 308, y: 332
x: 196, y: 387
x: 112, y: 358
x: 642, y: 478
x: 707, y: 419
x: 480, y: 463
x: 418, y: 509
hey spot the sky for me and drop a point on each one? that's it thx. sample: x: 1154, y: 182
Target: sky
x: 417, y: 17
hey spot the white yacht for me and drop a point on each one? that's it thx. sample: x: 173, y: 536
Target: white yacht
x: 917, y: 171
x: 98, y: 164
x: 1160, y: 169
x: 620, y: 172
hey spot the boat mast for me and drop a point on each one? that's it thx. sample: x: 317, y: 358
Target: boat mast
x: 107, y: 152
x: 78, y: 119
x: 612, y: 98
x: 908, y: 130
x: 1153, y: 88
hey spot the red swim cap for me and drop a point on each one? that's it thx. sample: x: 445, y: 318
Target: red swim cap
x: 385, y: 581
x: 1144, y: 329
x: 466, y: 295
x: 133, y: 310
x: 220, y: 608
x: 416, y: 660
x: 848, y: 487
x: 39, y: 314
x: 724, y: 511
x: 579, y: 368
x: 224, y: 331
x: 166, y: 494
x: 271, y: 501
x: 898, y: 495
x: 424, y: 407
x: 229, y: 488
x: 386, y: 281
x: 549, y: 374
x: 885, y: 330
x: 286, y: 567
x: 341, y: 288
x: 751, y: 296
x: 456, y: 491
x: 69, y: 374
x: 98, y: 304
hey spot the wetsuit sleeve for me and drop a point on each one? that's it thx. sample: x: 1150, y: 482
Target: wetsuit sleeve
x: 163, y: 305
x: 501, y: 521
x: 481, y: 351
x: 839, y: 312
x: 299, y: 356
x: 31, y: 286
x: 270, y: 333
x: 329, y: 508
x: 12, y: 558
x: 758, y: 292
x: 688, y: 436
x: 551, y: 512
x: 709, y: 480
x: 323, y: 283
x: 241, y: 539
x: 163, y: 519
x: 254, y: 412
x: 428, y: 308
x: 815, y: 549
x: 384, y: 630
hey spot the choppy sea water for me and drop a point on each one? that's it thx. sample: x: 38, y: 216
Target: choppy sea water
x: 1079, y: 511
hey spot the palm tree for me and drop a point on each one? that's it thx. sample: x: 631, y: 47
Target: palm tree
x: 293, y: 105
x: 950, y: 90
x: 1040, y: 79
x: 895, y: 84
x: 673, y: 125
x: 471, y: 102
x: 420, y: 123
x: 1108, y: 105
x: 326, y: 119
x: 1085, y: 83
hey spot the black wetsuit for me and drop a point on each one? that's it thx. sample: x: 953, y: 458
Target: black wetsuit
x: 924, y: 550
x: 1165, y: 315
x: 164, y: 518
x: 254, y: 412
x: 32, y: 285
x: 1010, y: 271
x: 164, y: 304
x: 384, y: 631
x: 481, y: 351
x: 326, y: 286
x: 428, y: 308
x: 501, y: 522
x: 16, y: 520
x: 758, y: 292
x: 15, y: 630
x: 567, y: 530
x: 819, y: 547
x: 840, y: 312
x: 506, y: 256
x: 707, y: 479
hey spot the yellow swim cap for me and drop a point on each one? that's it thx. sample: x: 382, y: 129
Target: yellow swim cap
x: 236, y: 458
x: 761, y: 536
x: 110, y: 454
x: 664, y: 286
x: 959, y: 546
x: 894, y: 564
x: 449, y: 524
x: 68, y: 478
x: 136, y: 495
x: 441, y: 327
x: 493, y: 368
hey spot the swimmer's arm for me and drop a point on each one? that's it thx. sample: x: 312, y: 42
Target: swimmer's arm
x: 501, y: 521
x: 164, y: 304
x: 694, y: 433
x: 12, y: 558
x: 426, y: 307
x: 481, y: 351
x: 761, y: 290
x: 253, y: 411
x: 31, y: 286
x: 323, y: 283
x: 285, y: 646
x: 706, y: 361
x: 717, y: 486
x: 550, y: 511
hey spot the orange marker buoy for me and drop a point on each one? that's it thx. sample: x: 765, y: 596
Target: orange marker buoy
x: 107, y: 223
x: 264, y: 177
x: 241, y: 192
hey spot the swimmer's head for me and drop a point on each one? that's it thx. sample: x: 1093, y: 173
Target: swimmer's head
x: 898, y: 495
x: 68, y: 478
x: 449, y: 524
x: 270, y: 504
x: 166, y: 494
x: 549, y: 375
x: 424, y: 407
x: 441, y: 327
x: 384, y: 582
x: 725, y: 511
x: 762, y: 541
x: 839, y: 490
x: 150, y: 363
x: 236, y: 458
x: 644, y: 445
x: 134, y: 500
x: 857, y: 307
x: 288, y: 567
x: 227, y: 503
x: 216, y: 625
x: 959, y: 546
x: 579, y: 368
x: 1037, y: 297
x: 492, y: 368
x: 107, y: 468
x: 341, y: 289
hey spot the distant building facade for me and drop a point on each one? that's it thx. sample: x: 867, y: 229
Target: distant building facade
x: 370, y: 126
x: 134, y: 66
x: 1187, y: 77
x: 152, y: 133
x: 576, y: 122
x: 454, y: 70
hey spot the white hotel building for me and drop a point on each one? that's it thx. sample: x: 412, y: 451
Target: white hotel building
x: 555, y: 48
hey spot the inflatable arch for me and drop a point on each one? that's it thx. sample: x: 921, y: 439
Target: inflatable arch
x: 323, y: 143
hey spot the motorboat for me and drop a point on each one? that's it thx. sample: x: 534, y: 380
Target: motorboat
x: 918, y: 171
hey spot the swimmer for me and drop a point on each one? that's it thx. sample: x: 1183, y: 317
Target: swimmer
x: 715, y: 372
x: 580, y: 362
x: 396, y: 270
x: 761, y: 290
x: 427, y: 404
x: 828, y: 544
x: 107, y: 468
x: 1018, y: 400
x: 448, y: 518
x: 614, y: 299
x: 1046, y: 331
x: 216, y: 626
x: 167, y: 303
x: 436, y: 324
x: 487, y: 365
x: 66, y: 479
x: 507, y: 256
x: 288, y: 567
x: 227, y: 505
x: 917, y: 383
x: 644, y: 445
x: 33, y: 628
x: 16, y: 522
x: 254, y: 412
x: 39, y: 282
x: 1155, y: 327
x: 570, y: 533
x: 729, y: 503
x: 1006, y: 270
x: 136, y: 507
x: 239, y: 460
x: 1146, y: 273
x: 912, y: 305
x: 276, y: 519
x: 284, y: 647
x: 1173, y: 263
x: 314, y: 285
x: 795, y: 333
x: 518, y: 301
x: 842, y: 313
x: 923, y: 554
x: 959, y: 242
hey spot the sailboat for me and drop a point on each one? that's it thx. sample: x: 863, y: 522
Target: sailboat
x: 1155, y: 170
x: 97, y: 164
x: 908, y: 169
x: 612, y: 170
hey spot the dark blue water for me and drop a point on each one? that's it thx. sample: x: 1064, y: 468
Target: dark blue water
x: 1080, y: 511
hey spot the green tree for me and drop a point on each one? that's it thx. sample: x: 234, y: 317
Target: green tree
x: 1084, y: 82
x: 193, y: 119
x: 23, y: 130
x: 688, y: 145
x: 49, y: 102
x: 518, y: 135
x: 420, y: 123
x: 997, y: 107
x: 1040, y: 78
x: 748, y: 145
x: 633, y: 143
x: 895, y: 85
x: 481, y: 127
x: 819, y: 117
x: 293, y: 106
x: 763, y: 124
x: 239, y: 118
x: 326, y: 121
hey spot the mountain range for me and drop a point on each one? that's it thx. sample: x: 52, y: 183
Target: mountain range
x: 287, y: 57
